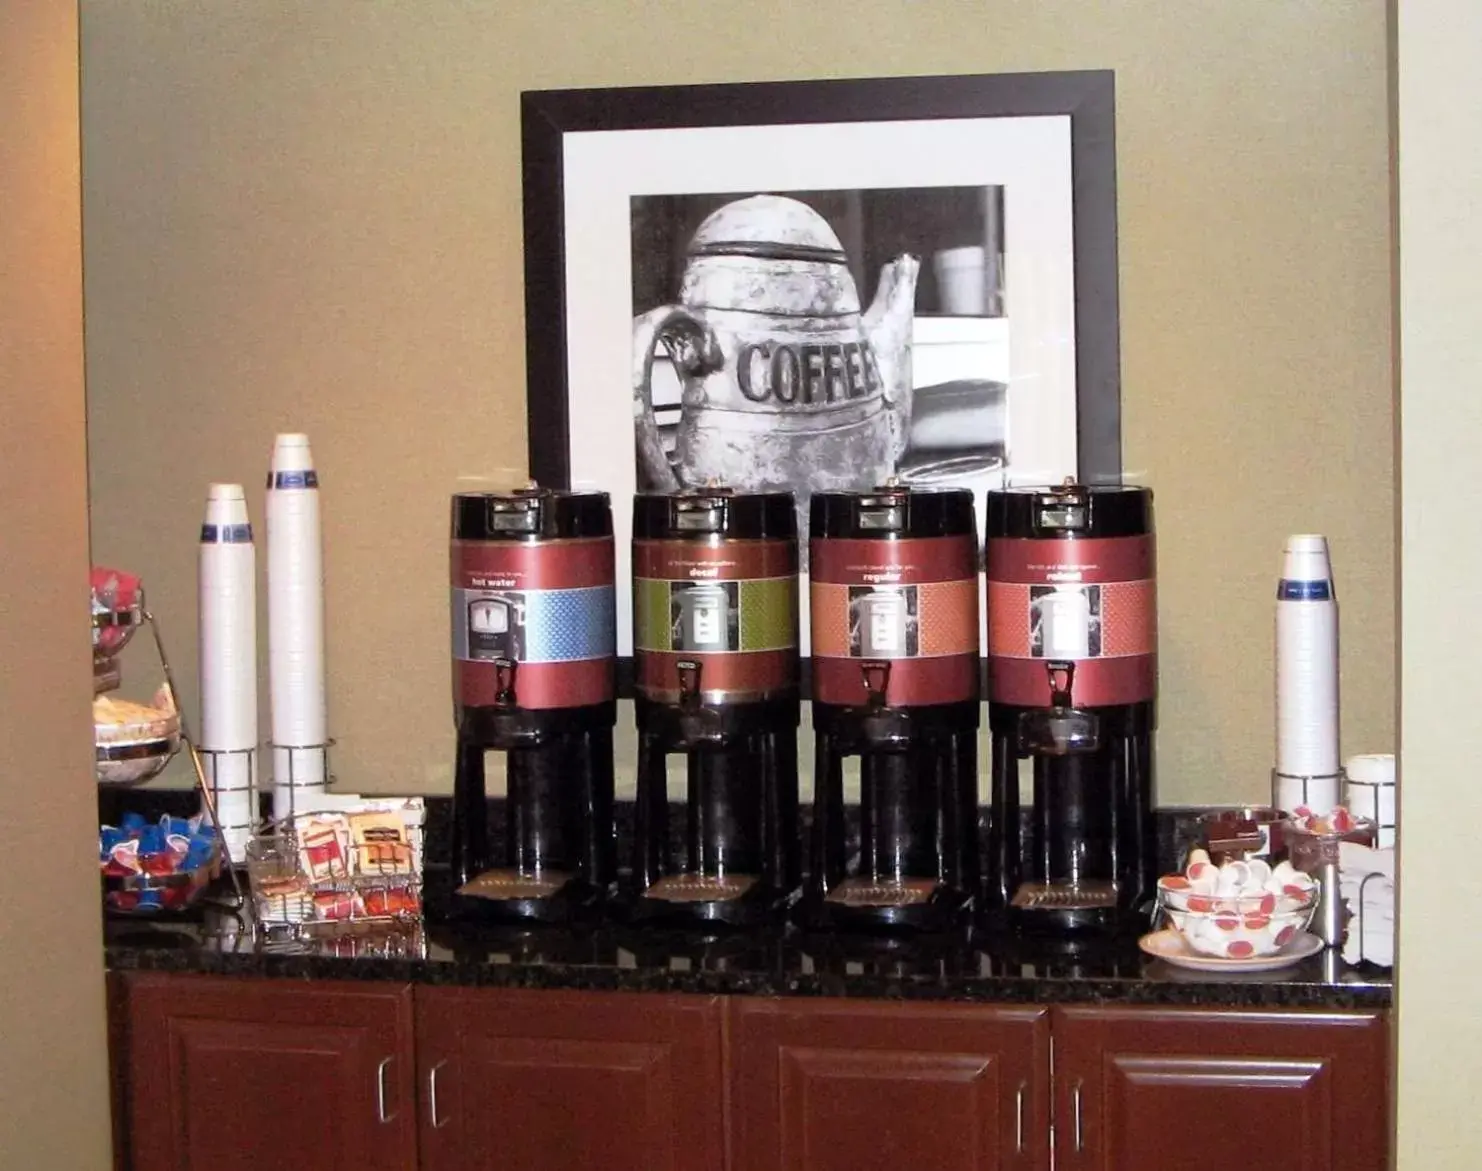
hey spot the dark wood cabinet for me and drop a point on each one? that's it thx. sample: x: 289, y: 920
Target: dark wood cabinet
x: 260, y: 1075
x: 567, y: 1081
x: 859, y: 1086
x: 236, y: 1074
x: 1190, y: 1090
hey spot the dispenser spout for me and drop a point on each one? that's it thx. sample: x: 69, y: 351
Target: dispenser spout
x: 876, y: 681
x: 504, y: 682
x: 1062, y: 682
x: 688, y: 671
x: 1061, y: 729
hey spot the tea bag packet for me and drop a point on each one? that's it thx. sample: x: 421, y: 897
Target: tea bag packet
x: 392, y: 901
x: 378, y: 839
x: 332, y: 906
x: 287, y: 899
x: 323, y: 847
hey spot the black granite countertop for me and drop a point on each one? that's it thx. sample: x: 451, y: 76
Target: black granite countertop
x: 782, y: 963
x: 777, y: 963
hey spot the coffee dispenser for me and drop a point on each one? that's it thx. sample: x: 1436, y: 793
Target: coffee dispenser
x: 894, y: 620
x: 715, y: 657
x: 533, y: 677
x: 1072, y: 677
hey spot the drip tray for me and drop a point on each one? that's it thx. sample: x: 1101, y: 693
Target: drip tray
x: 1065, y: 896
x: 515, y: 884
x: 895, y: 892
x: 700, y: 888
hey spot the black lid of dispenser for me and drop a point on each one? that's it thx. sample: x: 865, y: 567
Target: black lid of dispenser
x: 532, y: 513
x: 893, y: 511
x: 1069, y: 510
x: 701, y: 512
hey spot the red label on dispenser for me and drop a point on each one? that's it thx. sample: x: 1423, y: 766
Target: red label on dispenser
x: 540, y: 612
x: 911, y: 604
x: 1090, y: 602
x: 533, y: 565
x: 1094, y: 559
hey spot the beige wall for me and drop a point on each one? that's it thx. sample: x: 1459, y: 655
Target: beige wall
x: 307, y: 215
x: 53, y: 1080
x: 1440, y: 188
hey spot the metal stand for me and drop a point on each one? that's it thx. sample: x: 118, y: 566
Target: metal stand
x: 292, y: 752
x: 208, y: 799
x: 1376, y: 791
x: 213, y: 758
x: 1335, y: 780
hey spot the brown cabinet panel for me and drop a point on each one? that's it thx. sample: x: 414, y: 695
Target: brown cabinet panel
x: 256, y: 1075
x: 555, y: 1081
x: 855, y: 1086
x: 117, y: 993
x: 1139, y: 1088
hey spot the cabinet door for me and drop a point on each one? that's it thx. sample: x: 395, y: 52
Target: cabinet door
x: 117, y: 992
x: 559, y: 1081
x: 257, y: 1075
x: 842, y: 1085
x: 1139, y: 1088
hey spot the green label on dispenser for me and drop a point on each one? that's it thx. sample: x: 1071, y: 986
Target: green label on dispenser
x: 651, y: 614
x: 715, y: 617
x: 769, y: 614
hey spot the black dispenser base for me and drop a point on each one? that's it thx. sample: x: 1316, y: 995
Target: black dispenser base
x: 740, y: 815
x: 575, y: 902
x: 756, y: 908
x: 914, y: 868
x: 557, y: 820
x: 1089, y: 829
x: 945, y: 911
x: 1067, y: 923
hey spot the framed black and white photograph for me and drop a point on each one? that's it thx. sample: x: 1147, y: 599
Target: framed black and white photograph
x: 821, y: 285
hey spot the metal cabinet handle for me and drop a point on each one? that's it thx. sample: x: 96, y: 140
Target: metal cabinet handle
x: 437, y: 1124
x: 1075, y: 1116
x: 1019, y: 1119
x: 381, y: 1115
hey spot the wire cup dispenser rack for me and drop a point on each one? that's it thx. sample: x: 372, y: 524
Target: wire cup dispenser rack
x: 1312, y: 789
x: 212, y: 761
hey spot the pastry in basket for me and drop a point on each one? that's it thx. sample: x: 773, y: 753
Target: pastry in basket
x: 120, y: 721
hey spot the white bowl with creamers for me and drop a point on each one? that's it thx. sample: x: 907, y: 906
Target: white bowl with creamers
x: 1244, y: 909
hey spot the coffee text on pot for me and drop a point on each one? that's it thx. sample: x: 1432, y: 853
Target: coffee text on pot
x: 806, y: 374
x: 784, y: 382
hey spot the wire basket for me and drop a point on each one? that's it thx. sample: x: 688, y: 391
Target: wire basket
x: 150, y: 894
x: 321, y: 869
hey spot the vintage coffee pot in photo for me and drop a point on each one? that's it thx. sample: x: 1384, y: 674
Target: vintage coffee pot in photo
x: 785, y: 383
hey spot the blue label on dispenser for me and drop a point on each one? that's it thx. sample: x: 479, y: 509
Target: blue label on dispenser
x: 1304, y: 591
x: 534, y: 626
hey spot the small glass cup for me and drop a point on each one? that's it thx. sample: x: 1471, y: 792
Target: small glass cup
x: 271, y: 858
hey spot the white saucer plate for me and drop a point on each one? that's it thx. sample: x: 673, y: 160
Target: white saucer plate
x: 1169, y: 945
